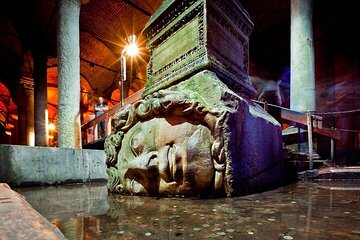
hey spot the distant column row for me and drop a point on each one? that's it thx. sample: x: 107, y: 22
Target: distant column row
x: 32, y: 107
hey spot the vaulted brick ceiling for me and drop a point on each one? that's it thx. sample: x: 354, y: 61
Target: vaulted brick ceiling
x: 104, y: 26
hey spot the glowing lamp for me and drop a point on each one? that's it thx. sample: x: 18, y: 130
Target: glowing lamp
x: 51, y: 126
x: 131, y: 50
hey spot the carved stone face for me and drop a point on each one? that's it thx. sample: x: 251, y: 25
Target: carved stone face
x: 167, y: 156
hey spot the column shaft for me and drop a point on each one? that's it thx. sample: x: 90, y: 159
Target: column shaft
x: 30, y: 119
x: 40, y: 94
x: 69, y: 74
x: 22, y: 123
x: 302, y: 87
x: 26, y: 111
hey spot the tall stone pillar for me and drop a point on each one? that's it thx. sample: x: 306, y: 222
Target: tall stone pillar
x: 26, y: 115
x: 40, y: 87
x: 69, y: 74
x: 302, y: 77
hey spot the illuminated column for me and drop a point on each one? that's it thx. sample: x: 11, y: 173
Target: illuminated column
x: 302, y: 87
x: 69, y: 128
x: 26, y: 118
x: 40, y: 98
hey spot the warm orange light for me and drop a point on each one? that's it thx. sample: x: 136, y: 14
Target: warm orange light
x: 8, y: 133
x: 132, y: 50
x: 51, y: 126
x: 14, y: 116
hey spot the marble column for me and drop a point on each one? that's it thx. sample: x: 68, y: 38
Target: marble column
x: 302, y: 86
x: 40, y: 98
x: 26, y: 115
x: 69, y: 74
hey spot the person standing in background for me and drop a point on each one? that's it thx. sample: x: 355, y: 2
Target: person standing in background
x: 100, y: 108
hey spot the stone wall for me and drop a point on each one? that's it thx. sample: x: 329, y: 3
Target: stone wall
x: 26, y: 166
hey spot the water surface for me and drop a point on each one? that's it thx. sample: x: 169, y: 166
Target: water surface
x: 304, y: 210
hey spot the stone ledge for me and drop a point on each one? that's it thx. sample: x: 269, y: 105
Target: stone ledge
x: 18, y: 220
x: 30, y: 166
x: 331, y: 173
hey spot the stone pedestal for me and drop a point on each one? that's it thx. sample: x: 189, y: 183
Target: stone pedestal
x: 195, y: 132
x: 188, y: 36
x: 69, y: 127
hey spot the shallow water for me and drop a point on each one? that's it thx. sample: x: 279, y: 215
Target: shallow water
x: 304, y: 210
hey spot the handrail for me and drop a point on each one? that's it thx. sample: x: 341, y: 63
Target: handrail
x: 299, y: 119
x: 89, y: 130
x: 309, y: 121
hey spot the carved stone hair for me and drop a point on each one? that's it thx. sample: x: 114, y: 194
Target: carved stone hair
x: 161, y: 104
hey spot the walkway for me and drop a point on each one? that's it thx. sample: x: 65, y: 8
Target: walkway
x: 89, y: 131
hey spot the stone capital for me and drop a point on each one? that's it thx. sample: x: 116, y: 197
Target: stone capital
x: 27, y: 84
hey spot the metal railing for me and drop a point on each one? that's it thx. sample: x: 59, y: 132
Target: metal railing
x: 310, y: 121
x: 89, y: 131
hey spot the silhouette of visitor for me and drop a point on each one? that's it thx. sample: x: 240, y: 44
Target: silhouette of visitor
x: 100, y: 108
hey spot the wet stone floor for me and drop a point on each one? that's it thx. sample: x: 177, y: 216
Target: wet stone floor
x: 306, y: 210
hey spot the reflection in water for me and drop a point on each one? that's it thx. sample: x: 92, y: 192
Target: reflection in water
x: 300, y: 211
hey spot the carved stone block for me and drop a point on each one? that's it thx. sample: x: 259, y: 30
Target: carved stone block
x: 186, y: 37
